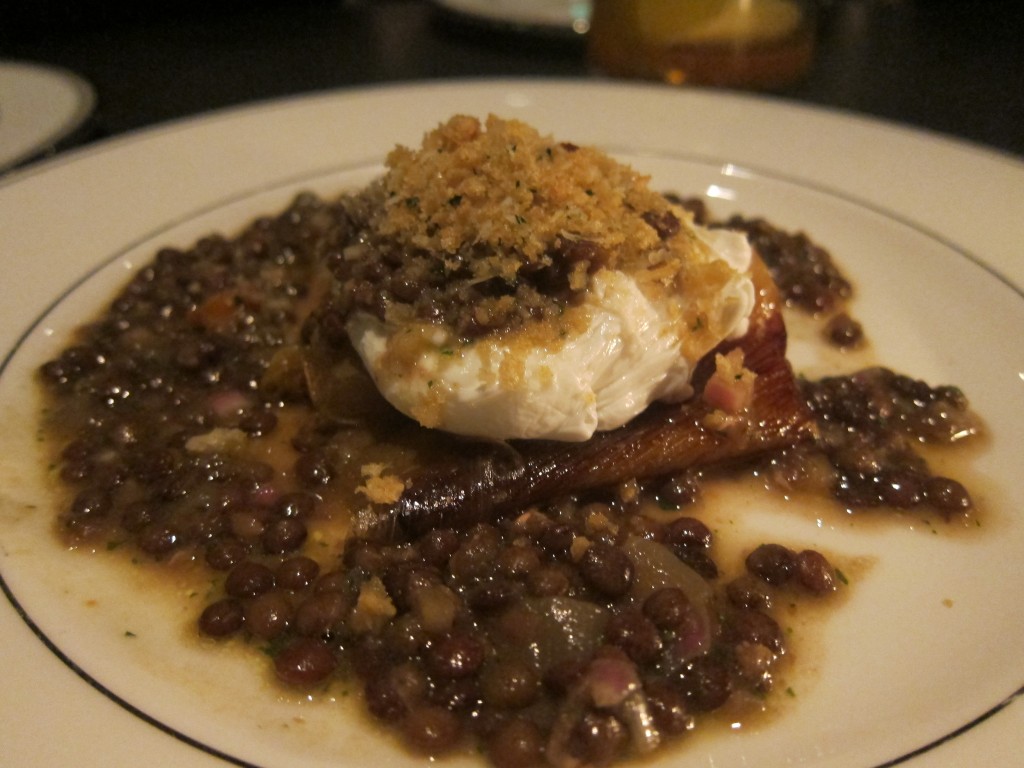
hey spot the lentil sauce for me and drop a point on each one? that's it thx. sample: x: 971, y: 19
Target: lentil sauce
x: 200, y: 417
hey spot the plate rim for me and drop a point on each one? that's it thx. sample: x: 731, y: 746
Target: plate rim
x: 85, y: 101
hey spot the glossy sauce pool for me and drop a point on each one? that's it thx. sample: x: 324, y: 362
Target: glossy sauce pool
x: 740, y: 514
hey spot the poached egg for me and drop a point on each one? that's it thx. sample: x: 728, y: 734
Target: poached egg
x: 632, y: 336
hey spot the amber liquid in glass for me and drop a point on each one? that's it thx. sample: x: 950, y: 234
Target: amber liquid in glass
x: 766, y: 44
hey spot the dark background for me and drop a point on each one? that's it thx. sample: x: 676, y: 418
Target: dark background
x: 952, y: 67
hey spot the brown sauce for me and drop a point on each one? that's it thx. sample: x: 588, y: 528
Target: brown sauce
x: 199, y: 425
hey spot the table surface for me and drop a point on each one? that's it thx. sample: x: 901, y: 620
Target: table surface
x: 950, y: 67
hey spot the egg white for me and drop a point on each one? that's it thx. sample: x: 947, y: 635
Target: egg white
x: 627, y: 357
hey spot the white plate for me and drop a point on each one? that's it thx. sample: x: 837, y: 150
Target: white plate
x: 39, y: 106
x: 914, y: 667
x: 567, y: 15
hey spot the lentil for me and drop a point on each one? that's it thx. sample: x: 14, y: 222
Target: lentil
x: 214, y: 349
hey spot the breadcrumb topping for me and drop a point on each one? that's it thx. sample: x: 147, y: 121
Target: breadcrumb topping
x: 505, y: 186
x: 489, y: 226
x: 378, y: 487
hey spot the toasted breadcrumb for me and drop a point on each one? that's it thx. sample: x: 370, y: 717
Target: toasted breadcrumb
x: 373, y: 607
x: 579, y: 546
x: 499, y: 201
x: 378, y: 487
x: 516, y: 189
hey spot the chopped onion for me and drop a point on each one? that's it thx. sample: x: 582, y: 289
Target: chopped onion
x: 657, y: 567
x: 610, y: 683
x: 569, y: 629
